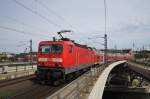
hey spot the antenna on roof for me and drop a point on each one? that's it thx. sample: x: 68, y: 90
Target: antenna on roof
x: 63, y: 31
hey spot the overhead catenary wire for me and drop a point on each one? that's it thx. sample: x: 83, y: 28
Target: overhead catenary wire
x: 24, y: 24
x: 38, y: 14
x: 56, y: 14
x: 112, y: 42
x: 18, y: 31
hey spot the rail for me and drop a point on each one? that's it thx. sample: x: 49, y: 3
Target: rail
x: 144, y: 70
x: 4, y: 83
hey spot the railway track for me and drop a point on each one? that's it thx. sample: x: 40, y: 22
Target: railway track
x: 37, y: 92
x: 13, y: 81
x: 26, y: 88
x: 10, y: 88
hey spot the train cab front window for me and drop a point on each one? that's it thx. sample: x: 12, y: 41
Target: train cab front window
x: 51, y: 48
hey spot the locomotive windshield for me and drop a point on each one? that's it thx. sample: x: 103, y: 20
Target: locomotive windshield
x: 51, y: 48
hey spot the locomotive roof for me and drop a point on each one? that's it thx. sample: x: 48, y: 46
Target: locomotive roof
x: 61, y: 42
x: 47, y: 42
x: 118, y: 51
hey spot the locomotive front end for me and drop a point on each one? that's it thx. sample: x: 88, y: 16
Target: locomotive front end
x: 50, y: 61
x: 50, y: 55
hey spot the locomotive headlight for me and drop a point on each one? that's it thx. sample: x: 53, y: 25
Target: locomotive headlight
x: 57, y: 60
x: 42, y: 59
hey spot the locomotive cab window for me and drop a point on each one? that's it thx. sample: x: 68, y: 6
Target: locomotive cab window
x: 70, y: 49
x: 51, y: 48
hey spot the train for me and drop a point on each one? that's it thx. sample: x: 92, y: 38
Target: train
x: 64, y: 59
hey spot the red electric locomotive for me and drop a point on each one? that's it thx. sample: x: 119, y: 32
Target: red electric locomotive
x: 59, y: 60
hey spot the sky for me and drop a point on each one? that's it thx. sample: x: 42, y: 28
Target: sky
x: 128, y: 22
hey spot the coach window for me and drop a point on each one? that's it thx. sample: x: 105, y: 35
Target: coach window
x: 70, y: 49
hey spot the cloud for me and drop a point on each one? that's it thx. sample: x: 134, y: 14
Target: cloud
x: 140, y: 27
x: 136, y: 30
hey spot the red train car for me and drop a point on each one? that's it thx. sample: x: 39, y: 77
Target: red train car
x: 58, y: 59
x: 62, y: 59
x: 127, y: 55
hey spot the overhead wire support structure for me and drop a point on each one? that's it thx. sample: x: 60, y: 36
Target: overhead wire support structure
x: 105, y: 46
x: 30, y: 47
x: 105, y: 50
x: 31, y: 58
x: 105, y: 36
x: 105, y: 6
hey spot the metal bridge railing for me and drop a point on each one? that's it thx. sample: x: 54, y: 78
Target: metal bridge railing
x: 16, y: 68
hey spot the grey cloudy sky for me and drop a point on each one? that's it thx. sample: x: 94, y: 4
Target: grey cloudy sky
x: 128, y: 21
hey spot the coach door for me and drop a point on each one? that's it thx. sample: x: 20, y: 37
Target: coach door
x: 77, y: 58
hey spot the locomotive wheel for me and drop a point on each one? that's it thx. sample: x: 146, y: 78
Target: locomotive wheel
x: 43, y: 82
x: 56, y: 83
